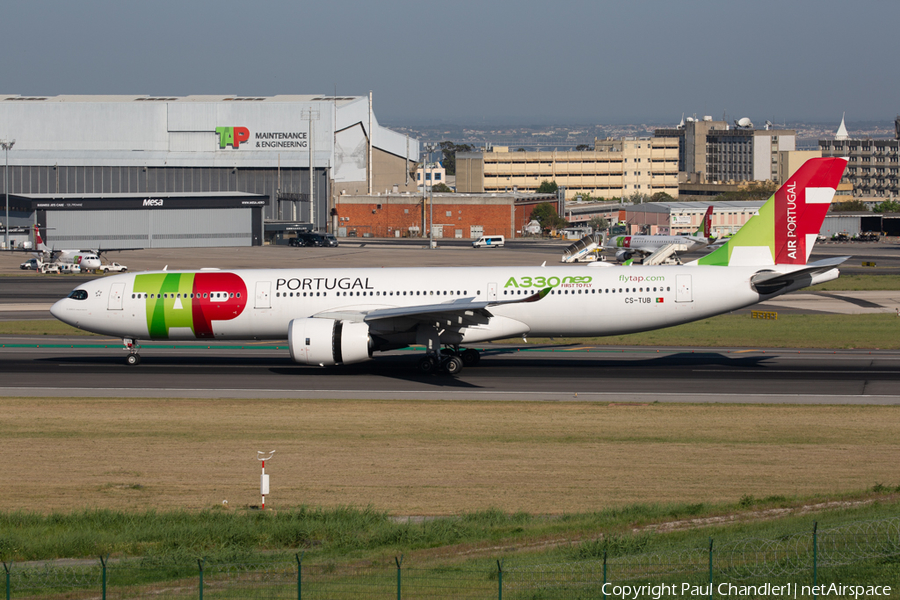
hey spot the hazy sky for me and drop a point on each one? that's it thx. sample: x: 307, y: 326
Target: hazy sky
x: 467, y: 61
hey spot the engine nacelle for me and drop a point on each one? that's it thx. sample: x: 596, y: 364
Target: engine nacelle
x: 327, y: 342
x: 623, y: 255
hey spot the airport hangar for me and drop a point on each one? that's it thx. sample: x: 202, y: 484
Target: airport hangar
x: 193, y: 171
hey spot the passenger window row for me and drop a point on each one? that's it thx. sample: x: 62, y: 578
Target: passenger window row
x: 369, y: 294
x: 219, y: 295
x: 591, y: 291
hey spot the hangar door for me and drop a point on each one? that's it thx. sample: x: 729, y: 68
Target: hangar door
x: 160, y: 228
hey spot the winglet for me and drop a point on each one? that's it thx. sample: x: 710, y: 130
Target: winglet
x: 785, y: 229
x: 540, y: 294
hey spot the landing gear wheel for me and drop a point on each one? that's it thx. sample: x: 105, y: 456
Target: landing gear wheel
x: 470, y: 357
x: 133, y: 359
x: 454, y: 365
x: 427, y: 364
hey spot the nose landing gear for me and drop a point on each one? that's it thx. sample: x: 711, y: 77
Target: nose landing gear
x: 132, y: 347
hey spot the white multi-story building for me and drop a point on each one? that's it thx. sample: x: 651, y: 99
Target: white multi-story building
x: 874, y: 166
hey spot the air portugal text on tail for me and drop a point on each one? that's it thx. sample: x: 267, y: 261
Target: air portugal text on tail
x: 343, y: 316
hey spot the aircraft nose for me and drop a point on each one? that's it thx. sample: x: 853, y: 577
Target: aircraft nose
x: 57, y: 310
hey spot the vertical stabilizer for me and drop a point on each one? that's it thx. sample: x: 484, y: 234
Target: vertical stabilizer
x: 705, y: 229
x: 38, y: 241
x: 784, y: 230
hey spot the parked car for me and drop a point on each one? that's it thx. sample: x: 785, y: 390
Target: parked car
x: 29, y: 265
x: 114, y: 268
x: 330, y: 240
x: 309, y: 239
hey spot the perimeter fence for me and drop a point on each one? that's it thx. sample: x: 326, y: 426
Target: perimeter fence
x: 852, y: 553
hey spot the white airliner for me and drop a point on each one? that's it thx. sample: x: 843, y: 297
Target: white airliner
x: 626, y: 246
x: 342, y: 316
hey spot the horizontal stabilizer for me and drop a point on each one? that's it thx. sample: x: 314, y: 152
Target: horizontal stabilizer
x: 769, y: 282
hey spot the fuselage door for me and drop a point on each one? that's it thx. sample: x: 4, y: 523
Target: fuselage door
x: 263, y: 294
x: 492, y: 291
x: 683, y: 289
x: 116, y: 293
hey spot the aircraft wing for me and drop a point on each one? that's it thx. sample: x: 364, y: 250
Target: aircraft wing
x: 462, y: 311
x: 102, y: 250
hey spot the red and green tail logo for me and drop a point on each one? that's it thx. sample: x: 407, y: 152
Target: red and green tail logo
x: 785, y: 229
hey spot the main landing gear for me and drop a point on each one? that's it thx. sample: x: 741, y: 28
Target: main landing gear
x: 450, y: 360
x: 132, y: 346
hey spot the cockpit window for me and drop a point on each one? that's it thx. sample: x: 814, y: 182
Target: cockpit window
x: 78, y: 295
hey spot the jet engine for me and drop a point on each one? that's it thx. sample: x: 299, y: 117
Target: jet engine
x: 623, y: 255
x: 328, y: 342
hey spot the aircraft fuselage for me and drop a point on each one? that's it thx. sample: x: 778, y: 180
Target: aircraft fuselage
x: 260, y: 304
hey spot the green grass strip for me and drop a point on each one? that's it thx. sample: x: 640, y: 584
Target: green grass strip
x: 870, y: 331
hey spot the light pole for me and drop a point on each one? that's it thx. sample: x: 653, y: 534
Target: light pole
x: 7, y: 146
x: 431, y: 210
x: 428, y: 150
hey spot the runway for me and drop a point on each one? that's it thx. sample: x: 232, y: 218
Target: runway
x: 90, y: 366
x: 60, y: 367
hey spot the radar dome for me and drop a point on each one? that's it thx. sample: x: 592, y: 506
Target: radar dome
x: 745, y: 122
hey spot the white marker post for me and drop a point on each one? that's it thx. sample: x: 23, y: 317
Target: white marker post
x: 264, y: 479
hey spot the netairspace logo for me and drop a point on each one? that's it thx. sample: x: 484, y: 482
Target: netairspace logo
x: 788, y: 590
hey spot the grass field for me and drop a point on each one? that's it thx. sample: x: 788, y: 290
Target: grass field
x: 857, y: 283
x: 432, y: 458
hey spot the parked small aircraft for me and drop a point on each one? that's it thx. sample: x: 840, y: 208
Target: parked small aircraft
x: 627, y: 246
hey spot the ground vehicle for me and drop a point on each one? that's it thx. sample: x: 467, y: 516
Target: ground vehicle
x: 329, y: 240
x: 114, y: 268
x: 307, y: 239
x: 29, y: 265
x: 869, y: 236
x: 489, y: 241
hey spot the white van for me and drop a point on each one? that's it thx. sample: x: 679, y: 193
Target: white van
x: 489, y: 241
